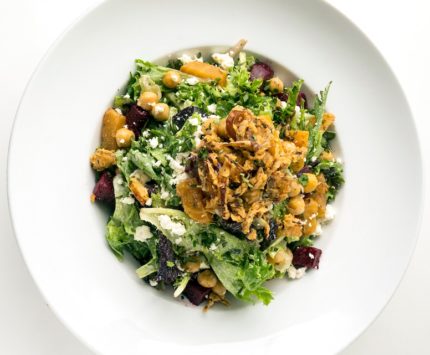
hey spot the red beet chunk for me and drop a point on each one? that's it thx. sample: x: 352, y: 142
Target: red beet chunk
x: 136, y: 118
x: 261, y: 71
x: 307, y: 257
x: 103, y: 191
x: 196, y: 293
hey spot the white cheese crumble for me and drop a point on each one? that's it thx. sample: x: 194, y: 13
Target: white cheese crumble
x: 175, y: 227
x: 178, y: 241
x: 339, y: 160
x: 213, y: 247
x: 142, y: 233
x: 283, y: 104
x: 148, y: 202
x: 118, y: 110
x: 179, y: 178
x: 330, y: 212
x: 164, y: 194
x: 224, y: 60
x: 186, y: 58
x: 294, y: 273
x: 153, y: 283
x: 194, y: 121
x: 126, y: 96
x: 192, y: 81
x: 145, y: 134
x: 212, y: 108
x: 313, y: 159
x: 153, y: 142
x: 127, y: 200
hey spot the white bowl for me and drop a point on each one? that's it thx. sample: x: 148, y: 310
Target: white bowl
x: 61, y: 234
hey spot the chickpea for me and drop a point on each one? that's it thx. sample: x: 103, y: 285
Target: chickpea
x: 207, y: 279
x: 296, y: 205
x: 147, y: 100
x: 295, y: 188
x: 192, y: 266
x: 171, y: 79
x: 161, y: 112
x: 276, y: 84
x: 312, y: 183
x: 280, y: 257
x: 327, y: 155
x: 123, y: 137
x: 311, y: 208
x: 219, y: 289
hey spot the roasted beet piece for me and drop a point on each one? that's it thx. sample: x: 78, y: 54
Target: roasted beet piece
x: 183, y: 115
x: 136, y: 118
x: 103, y: 190
x: 261, y: 70
x: 152, y: 187
x: 230, y: 226
x: 283, y: 96
x: 196, y: 293
x: 167, y: 271
x: 307, y: 257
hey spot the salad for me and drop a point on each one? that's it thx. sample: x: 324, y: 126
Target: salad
x: 218, y: 176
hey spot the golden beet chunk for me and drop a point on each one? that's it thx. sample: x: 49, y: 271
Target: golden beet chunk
x: 205, y: 71
x: 192, y: 200
x: 112, y: 122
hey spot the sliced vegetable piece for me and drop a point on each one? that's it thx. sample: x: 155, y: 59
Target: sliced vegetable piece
x: 205, y: 71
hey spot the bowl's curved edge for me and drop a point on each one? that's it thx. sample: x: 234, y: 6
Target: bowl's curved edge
x: 50, y: 49
x: 422, y: 174
x: 421, y: 168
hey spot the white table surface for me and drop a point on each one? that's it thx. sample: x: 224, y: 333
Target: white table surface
x: 401, y: 31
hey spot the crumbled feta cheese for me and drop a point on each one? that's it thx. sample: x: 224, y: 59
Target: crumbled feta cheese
x: 192, y: 81
x: 179, y: 178
x: 294, y: 273
x: 153, y: 283
x: 126, y: 96
x: 311, y: 256
x: 283, y: 104
x: 142, y: 233
x: 178, y: 241
x: 148, y: 202
x: 298, y: 110
x: 224, y: 60
x: 127, y: 200
x: 175, y: 227
x: 194, y: 121
x: 197, y: 135
x: 339, y: 160
x: 145, y: 134
x: 153, y: 142
x: 329, y: 213
x: 213, y: 247
x: 186, y: 58
x: 164, y: 194
x: 124, y: 159
x: 175, y: 165
x: 212, y: 108
x: 313, y: 159
x: 118, y: 110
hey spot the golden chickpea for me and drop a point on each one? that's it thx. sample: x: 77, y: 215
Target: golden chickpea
x: 123, y: 137
x: 298, y: 165
x: 327, y: 155
x: 311, y: 208
x: 295, y: 188
x: 219, y: 289
x: 207, y: 279
x: 147, y: 100
x: 276, y: 84
x: 296, y: 205
x: 171, y: 79
x: 160, y: 112
x: 192, y: 266
x: 280, y: 257
x: 312, y: 183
